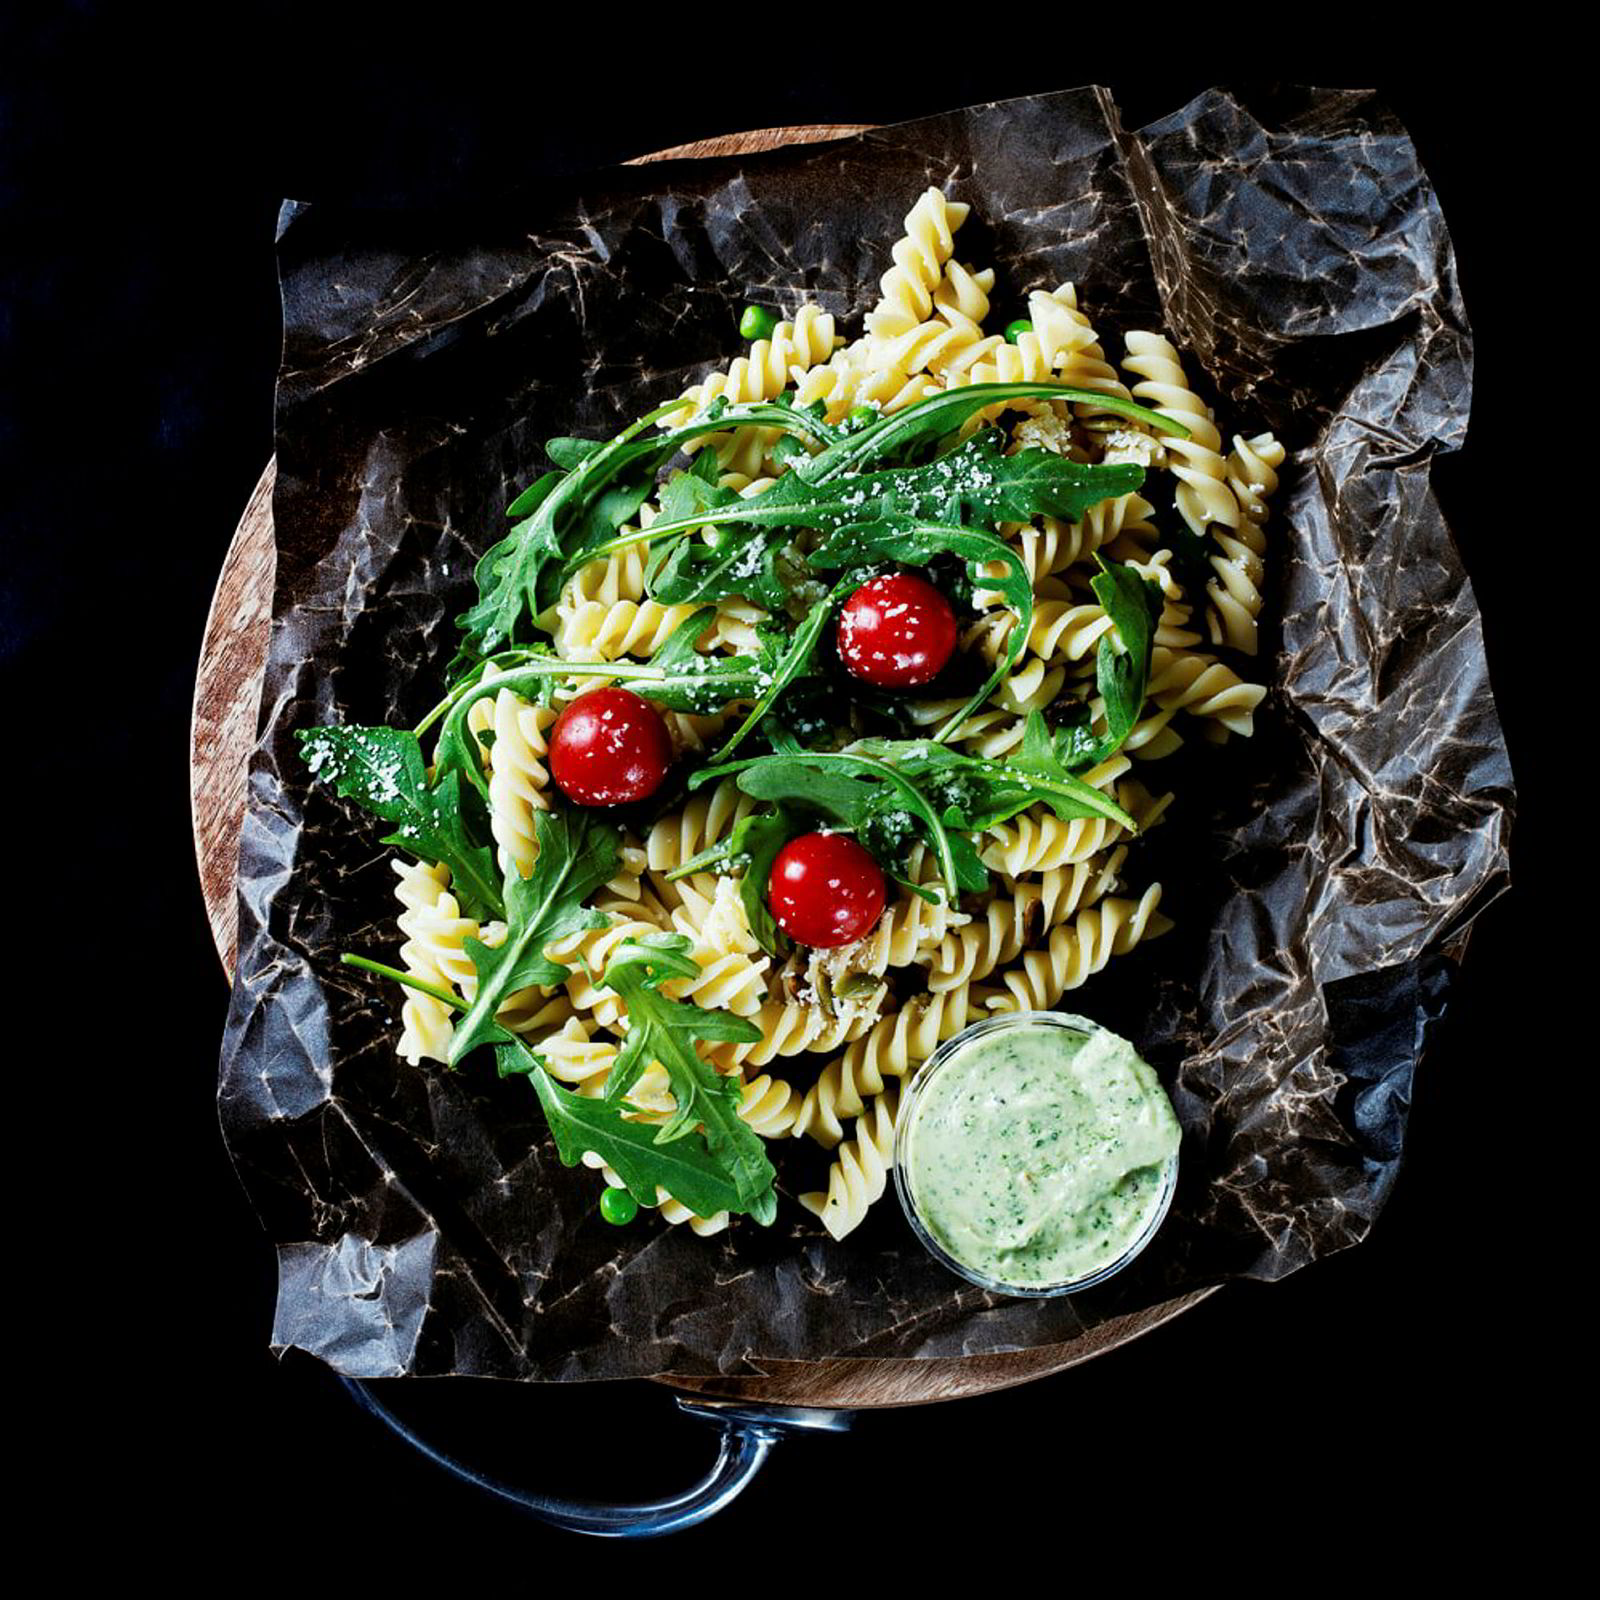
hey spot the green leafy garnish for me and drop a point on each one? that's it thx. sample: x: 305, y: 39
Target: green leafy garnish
x: 743, y: 563
x: 665, y: 1030
x: 756, y: 840
x: 928, y: 423
x: 976, y: 793
x: 409, y: 980
x: 789, y: 663
x: 685, y: 1168
x: 915, y: 544
x: 382, y: 769
x: 570, y: 515
x: 887, y: 791
x: 1121, y: 675
x: 576, y: 855
x: 973, y: 485
x: 570, y: 454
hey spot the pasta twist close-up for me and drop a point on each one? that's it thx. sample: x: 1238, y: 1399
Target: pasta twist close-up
x: 860, y: 1171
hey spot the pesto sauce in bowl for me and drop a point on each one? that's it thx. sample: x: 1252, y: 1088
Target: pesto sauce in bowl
x: 1037, y: 1153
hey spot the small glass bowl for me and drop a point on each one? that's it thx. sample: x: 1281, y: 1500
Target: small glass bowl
x: 918, y: 1083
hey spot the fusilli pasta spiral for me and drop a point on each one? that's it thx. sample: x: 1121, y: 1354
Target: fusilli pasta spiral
x: 766, y: 370
x: 1079, y: 949
x: 919, y: 260
x: 1203, y: 495
x: 860, y: 1172
x: 890, y: 1049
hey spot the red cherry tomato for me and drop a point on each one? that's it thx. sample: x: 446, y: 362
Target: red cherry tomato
x: 609, y: 747
x: 825, y: 890
x: 897, y: 632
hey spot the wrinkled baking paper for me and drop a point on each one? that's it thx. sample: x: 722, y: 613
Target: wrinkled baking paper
x: 1322, y: 873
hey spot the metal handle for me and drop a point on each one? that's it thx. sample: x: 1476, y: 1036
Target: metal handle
x: 749, y: 1431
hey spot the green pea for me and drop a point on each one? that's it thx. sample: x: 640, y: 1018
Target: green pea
x: 788, y: 449
x: 618, y: 1206
x: 1015, y: 330
x: 757, y: 323
x: 861, y: 417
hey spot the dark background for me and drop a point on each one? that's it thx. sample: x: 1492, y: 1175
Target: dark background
x: 1382, y: 1392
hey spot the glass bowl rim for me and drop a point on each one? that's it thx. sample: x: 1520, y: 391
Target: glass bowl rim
x: 917, y: 1082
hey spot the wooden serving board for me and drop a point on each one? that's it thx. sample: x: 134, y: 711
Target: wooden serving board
x: 227, y: 702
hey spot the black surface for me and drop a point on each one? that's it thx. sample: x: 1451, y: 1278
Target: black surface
x: 1390, y: 1388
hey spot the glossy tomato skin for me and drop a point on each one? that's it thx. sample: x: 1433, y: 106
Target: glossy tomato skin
x: 825, y: 890
x: 608, y: 748
x: 896, y: 632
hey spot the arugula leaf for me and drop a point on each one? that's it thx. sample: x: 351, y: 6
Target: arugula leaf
x: 883, y: 790
x: 795, y: 658
x: 409, y: 980
x: 976, y: 793
x: 744, y: 562
x: 695, y: 489
x: 569, y: 454
x: 859, y: 793
x: 686, y: 571
x: 563, y: 514
x: 926, y: 423
x: 567, y: 513
x: 909, y: 515
x: 753, y: 845
x: 1122, y: 676
x: 531, y: 497
x: 758, y: 838
x: 664, y: 1030
x: 591, y: 526
x: 686, y: 1168
x: 472, y: 674
x: 1038, y: 754
x: 382, y: 769
x: 576, y: 855
x: 973, y: 484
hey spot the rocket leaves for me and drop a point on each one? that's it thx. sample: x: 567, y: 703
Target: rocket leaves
x: 382, y: 769
x: 915, y: 544
x: 863, y: 795
x: 676, y: 678
x: 664, y: 1030
x: 1121, y: 674
x: 923, y: 427
x: 972, y: 486
x: 790, y: 662
x: 975, y: 793
x: 685, y: 1168
x: 571, y: 514
x: 576, y: 855
x: 705, y: 1154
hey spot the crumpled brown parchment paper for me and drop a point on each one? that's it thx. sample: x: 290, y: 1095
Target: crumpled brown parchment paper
x: 1323, y: 874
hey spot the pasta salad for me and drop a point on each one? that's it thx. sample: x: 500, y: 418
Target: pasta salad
x: 811, y: 719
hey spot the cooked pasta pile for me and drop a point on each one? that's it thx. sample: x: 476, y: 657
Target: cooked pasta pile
x: 841, y: 1029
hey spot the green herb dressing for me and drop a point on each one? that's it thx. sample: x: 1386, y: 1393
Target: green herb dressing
x: 1037, y: 1155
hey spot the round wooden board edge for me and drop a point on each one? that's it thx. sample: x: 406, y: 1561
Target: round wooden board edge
x: 227, y: 700
x: 878, y: 1385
